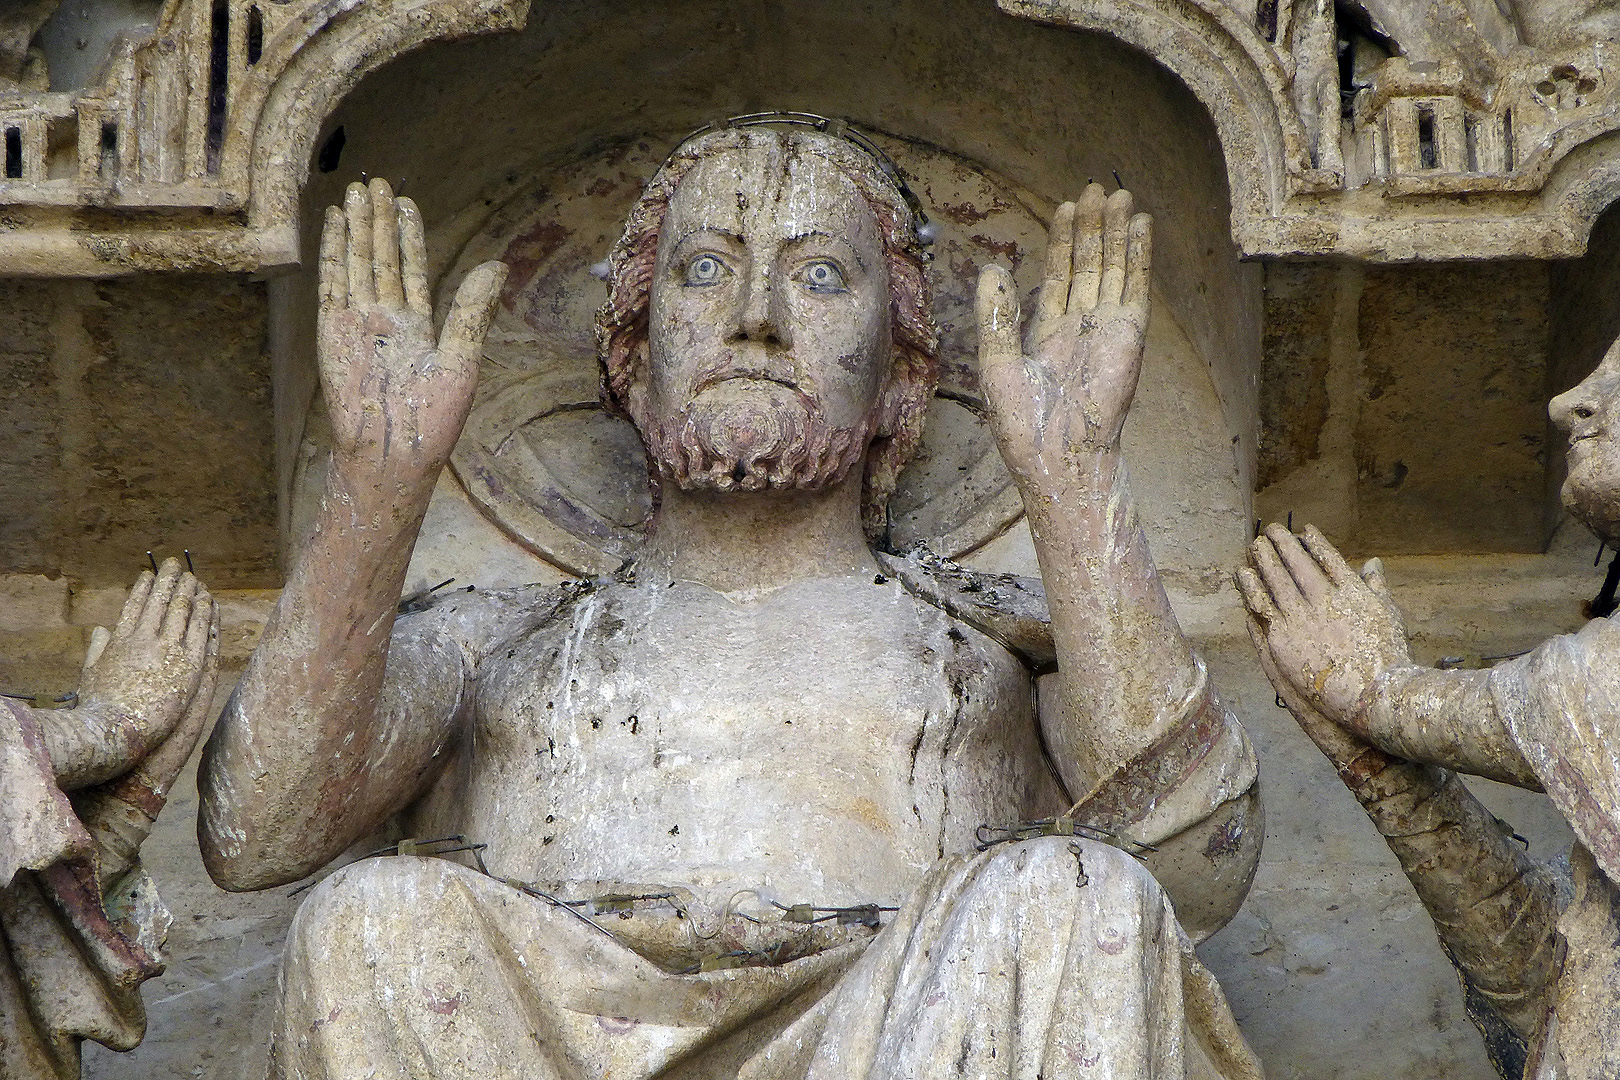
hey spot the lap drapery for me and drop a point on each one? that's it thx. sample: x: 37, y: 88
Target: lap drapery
x: 1000, y: 964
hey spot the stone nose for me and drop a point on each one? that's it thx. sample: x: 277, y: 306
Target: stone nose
x: 1596, y: 393
x: 760, y: 320
x: 1573, y: 408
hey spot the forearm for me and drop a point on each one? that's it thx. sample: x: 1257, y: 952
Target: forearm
x: 1444, y: 718
x: 1126, y: 671
x: 119, y: 817
x: 286, y: 776
x: 1494, y: 910
x: 95, y: 742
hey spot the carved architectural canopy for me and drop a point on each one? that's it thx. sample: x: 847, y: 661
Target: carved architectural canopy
x: 1374, y: 129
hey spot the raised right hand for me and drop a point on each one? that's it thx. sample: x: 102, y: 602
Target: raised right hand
x: 397, y: 396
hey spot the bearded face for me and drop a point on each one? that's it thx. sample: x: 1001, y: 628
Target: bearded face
x: 768, y: 332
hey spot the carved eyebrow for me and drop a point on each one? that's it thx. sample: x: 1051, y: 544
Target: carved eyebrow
x: 693, y: 230
x: 818, y: 234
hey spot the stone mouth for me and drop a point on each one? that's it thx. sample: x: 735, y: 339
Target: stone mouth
x: 743, y: 375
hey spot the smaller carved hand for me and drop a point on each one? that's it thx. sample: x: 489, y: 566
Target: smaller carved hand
x: 1324, y: 631
x: 1072, y: 387
x: 397, y: 396
x: 154, y: 665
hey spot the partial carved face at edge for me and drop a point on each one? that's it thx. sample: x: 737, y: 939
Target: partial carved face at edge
x: 1590, y: 415
x: 768, y: 333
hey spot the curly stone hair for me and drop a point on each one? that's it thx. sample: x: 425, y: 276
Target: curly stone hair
x: 622, y: 322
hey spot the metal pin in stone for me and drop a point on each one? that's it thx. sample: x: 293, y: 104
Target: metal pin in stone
x: 189, y: 568
x: 1078, y: 852
x: 152, y: 560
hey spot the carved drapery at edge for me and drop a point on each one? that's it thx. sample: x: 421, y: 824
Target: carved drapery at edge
x: 191, y: 152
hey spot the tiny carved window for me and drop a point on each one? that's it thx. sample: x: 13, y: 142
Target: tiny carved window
x: 218, y: 73
x: 1428, y: 150
x: 14, y: 157
x: 1265, y: 19
x: 255, y: 35
x: 108, y: 166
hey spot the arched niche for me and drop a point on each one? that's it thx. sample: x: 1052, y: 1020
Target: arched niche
x: 484, y: 127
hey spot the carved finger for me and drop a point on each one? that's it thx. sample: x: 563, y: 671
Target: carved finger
x: 1001, y: 361
x: 134, y: 604
x: 1327, y: 556
x: 1278, y: 581
x: 413, y: 257
x: 1138, y: 259
x: 1255, y: 596
x: 1116, y: 229
x: 1339, y: 745
x: 1054, y: 298
x: 177, y: 616
x: 334, y: 270
x: 157, y: 604
x: 200, y: 620
x: 470, y: 313
x: 1313, y: 583
x: 1088, y: 248
x: 164, y: 764
x: 385, y: 244
x: 362, y: 278
x: 1372, y: 572
x: 100, y: 636
x: 1268, y: 662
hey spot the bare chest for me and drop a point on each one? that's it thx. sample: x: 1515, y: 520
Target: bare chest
x: 702, y: 732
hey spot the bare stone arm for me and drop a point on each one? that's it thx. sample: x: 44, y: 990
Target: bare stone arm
x: 1126, y: 671
x: 337, y: 721
x: 1494, y: 909
x: 1137, y: 734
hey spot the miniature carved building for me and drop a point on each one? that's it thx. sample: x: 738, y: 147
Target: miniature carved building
x: 1384, y: 239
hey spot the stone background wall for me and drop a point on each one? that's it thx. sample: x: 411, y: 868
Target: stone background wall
x: 136, y: 415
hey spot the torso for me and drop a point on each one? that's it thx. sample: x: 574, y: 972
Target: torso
x: 823, y: 744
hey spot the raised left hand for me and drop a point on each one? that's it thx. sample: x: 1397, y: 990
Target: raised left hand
x: 1071, y: 389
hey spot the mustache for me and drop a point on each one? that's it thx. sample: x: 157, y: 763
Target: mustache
x: 767, y: 368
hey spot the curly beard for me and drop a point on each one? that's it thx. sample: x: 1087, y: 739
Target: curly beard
x: 750, y: 435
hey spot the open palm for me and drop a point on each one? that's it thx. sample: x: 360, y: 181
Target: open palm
x: 398, y: 395
x: 1072, y: 386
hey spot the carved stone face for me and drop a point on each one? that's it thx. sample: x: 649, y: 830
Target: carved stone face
x: 769, y: 330
x: 1590, y: 415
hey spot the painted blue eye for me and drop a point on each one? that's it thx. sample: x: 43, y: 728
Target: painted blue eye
x: 823, y: 275
x: 705, y: 270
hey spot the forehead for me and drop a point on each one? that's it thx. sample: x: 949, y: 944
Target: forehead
x: 771, y: 190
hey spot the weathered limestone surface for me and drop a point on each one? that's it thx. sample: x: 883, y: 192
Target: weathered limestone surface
x: 1331, y: 965
x: 81, y: 926
x: 1244, y: 138
x: 750, y: 673
x: 135, y: 416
